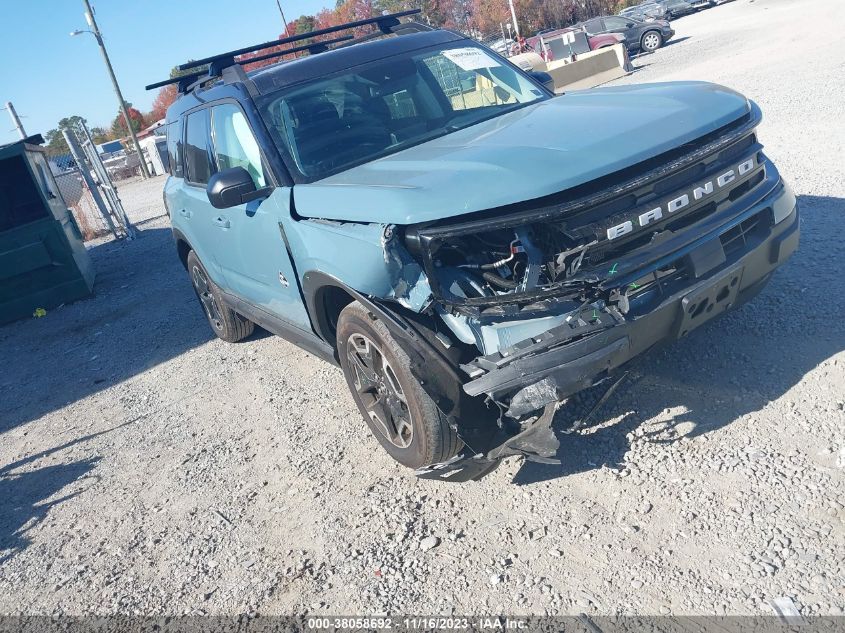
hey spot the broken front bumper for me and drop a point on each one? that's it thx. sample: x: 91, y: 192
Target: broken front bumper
x: 723, y: 270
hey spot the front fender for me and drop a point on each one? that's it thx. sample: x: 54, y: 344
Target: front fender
x: 365, y: 257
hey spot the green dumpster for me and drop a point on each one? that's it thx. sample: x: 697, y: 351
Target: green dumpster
x: 43, y: 262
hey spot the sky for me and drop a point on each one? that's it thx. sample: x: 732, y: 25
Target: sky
x: 49, y: 75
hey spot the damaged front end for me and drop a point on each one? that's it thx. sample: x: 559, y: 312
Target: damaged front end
x: 559, y: 296
x: 515, y: 293
x: 506, y: 313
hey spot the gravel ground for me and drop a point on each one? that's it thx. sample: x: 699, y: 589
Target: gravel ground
x: 146, y: 468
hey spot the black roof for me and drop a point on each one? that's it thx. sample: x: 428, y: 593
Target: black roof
x: 281, y: 75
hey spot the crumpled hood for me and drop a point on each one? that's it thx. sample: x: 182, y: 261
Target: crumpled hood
x: 535, y: 151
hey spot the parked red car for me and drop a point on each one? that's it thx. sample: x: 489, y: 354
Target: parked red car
x: 595, y: 41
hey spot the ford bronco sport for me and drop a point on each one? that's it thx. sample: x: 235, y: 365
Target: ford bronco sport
x: 471, y: 249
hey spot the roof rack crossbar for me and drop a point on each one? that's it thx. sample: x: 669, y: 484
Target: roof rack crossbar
x: 404, y: 28
x: 314, y: 48
x: 384, y: 22
x: 216, y: 65
x: 186, y: 79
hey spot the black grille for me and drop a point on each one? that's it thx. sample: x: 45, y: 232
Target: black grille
x: 645, y: 292
x: 737, y: 238
x: 603, y: 216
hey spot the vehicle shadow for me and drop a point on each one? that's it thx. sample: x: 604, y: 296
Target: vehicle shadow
x: 27, y: 497
x: 676, y: 40
x: 143, y: 313
x: 638, y: 67
x: 730, y: 367
x: 642, y: 55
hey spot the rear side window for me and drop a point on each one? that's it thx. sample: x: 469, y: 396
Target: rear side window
x: 593, y: 26
x: 174, y: 149
x: 197, y: 150
x: 613, y: 22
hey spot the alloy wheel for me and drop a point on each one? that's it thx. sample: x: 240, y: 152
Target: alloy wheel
x: 203, y: 289
x: 378, y: 389
x: 651, y: 41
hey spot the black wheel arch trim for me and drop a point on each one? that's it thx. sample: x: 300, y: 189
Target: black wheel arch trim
x: 178, y: 236
x: 437, y: 372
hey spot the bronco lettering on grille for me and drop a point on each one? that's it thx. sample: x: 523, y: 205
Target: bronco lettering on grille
x: 694, y: 194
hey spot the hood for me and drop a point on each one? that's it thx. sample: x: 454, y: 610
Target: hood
x: 534, y: 151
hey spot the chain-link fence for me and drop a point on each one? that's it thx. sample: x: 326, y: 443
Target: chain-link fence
x: 87, y: 188
x: 81, y: 203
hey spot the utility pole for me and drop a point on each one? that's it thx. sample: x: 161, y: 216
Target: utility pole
x: 89, y: 17
x: 15, y: 120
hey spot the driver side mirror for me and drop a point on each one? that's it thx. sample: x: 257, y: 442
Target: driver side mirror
x: 231, y: 187
x: 629, y: 25
x: 543, y: 78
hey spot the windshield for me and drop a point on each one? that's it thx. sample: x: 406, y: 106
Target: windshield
x: 369, y: 111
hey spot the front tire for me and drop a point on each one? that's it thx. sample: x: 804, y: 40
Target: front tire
x: 225, y: 322
x: 651, y: 41
x: 403, y: 418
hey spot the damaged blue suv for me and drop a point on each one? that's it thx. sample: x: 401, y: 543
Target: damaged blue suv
x: 471, y: 249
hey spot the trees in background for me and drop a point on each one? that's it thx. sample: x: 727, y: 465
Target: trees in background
x: 55, y: 142
x: 100, y: 135
x: 166, y: 96
x: 118, y: 125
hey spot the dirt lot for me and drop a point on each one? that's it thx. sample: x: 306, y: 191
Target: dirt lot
x: 148, y: 468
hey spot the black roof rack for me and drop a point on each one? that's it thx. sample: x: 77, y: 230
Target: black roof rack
x: 404, y: 28
x: 183, y: 80
x: 387, y: 24
x: 313, y: 49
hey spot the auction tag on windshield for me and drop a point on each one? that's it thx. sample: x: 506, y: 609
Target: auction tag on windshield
x: 470, y: 58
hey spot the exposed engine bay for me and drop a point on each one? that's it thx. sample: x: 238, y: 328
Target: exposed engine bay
x: 513, y: 266
x: 509, y: 261
x: 521, y: 269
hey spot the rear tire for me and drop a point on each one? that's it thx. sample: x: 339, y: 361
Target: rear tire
x: 225, y: 322
x: 403, y: 418
x: 651, y: 41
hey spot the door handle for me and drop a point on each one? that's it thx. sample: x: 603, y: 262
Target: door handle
x: 222, y: 222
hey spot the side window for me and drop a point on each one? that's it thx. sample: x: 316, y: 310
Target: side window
x: 174, y: 149
x: 593, y: 26
x: 613, y: 22
x: 197, y: 155
x: 234, y: 143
